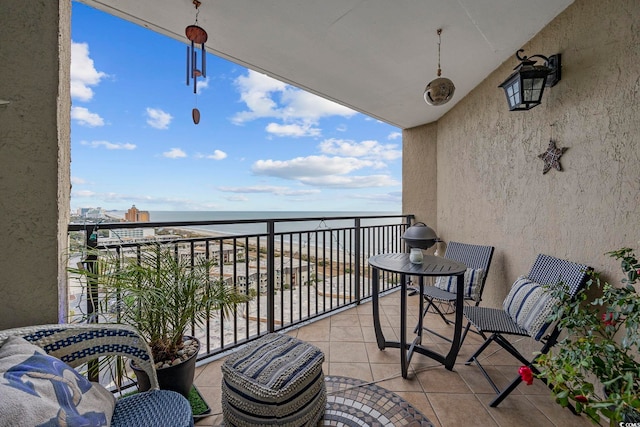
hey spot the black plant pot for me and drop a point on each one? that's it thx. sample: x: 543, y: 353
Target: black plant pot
x: 631, y: 416
x: 177, y: 378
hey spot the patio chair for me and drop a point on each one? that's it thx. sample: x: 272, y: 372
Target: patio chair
x: 35, y: 381
x: 525, y: 312
x: 477, y: 259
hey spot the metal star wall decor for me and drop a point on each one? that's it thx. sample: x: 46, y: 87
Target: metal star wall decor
x: 551, y: 157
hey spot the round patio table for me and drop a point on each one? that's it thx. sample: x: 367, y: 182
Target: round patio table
x: 431, y: 266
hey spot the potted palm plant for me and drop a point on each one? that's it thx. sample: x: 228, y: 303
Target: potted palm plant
x: 597, y: 366
x: 161, y: 293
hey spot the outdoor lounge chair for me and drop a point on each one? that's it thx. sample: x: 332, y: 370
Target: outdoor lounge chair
x: 32, y: 381
x: 525, y: 312
x: 477, y: 259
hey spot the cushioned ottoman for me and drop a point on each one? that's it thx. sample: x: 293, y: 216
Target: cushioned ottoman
x: 276, y: 380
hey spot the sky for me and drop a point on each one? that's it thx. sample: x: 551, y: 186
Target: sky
x: 261, y: 145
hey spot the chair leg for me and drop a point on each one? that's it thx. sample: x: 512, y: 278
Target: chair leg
x: 426, y: 310
x: 484, y: 345
x: 505, y: 392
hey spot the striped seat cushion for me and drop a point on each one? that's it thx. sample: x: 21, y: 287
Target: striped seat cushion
x: 472, y: 283
x: 276, y: 380
x: 530, y: 304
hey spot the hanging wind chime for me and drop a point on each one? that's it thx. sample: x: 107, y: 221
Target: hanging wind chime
x: 197, y: 35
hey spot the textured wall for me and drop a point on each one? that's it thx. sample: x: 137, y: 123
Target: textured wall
x: 490, y: 187
x: 419, y: 177
x: 34, y: 158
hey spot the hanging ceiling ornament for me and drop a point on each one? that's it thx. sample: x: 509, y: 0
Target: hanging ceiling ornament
x: 440, y: 90
x: 197, y: 35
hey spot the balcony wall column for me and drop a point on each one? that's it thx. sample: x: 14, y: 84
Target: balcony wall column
x: 420, y: 173
x: 35, y: 57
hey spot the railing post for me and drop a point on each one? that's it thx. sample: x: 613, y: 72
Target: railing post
x: 91, y: 265
x: 357, y: 260
x: 271, y: 287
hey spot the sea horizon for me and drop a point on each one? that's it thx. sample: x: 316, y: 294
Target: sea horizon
x: 260, y: 227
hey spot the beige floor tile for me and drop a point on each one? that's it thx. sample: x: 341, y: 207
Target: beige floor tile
x: 516, y: 410
x: 348, y: 352
x: 439, y: 379
x: 561, y: 417
x: 345, y: 319
x: 419, y: 400
x: 315, y: 332
x: 361, y: 371
x: 366, y: 319
x: 346, y: 333
x: 478, y: 383
x: 209, y: 375
x: 212, y: 395
x: 388, y: 355
x: 388, y: 375
x: 457, y: 410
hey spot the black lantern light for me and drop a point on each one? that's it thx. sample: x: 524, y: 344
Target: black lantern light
x: 525, y: 86
x: 420, y: 235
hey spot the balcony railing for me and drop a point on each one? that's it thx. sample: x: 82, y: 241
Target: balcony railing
x: 298, y: 269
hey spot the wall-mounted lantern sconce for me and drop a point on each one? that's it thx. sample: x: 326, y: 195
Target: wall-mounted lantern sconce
x: 525, y: 86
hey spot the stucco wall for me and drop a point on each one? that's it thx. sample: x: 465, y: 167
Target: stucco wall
x: 490, y: 186
x: 34, y: 158
x: 420, y: 170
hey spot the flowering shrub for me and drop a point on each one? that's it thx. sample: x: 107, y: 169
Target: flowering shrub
x: 600, y: 348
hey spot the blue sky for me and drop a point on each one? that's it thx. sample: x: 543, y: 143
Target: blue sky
x: 261, y: 145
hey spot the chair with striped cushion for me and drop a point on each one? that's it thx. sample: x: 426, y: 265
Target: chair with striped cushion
x: 62, y: 347
x: 525, y: 312
x: 477, y: 258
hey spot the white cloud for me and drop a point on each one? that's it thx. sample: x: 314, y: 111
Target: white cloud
x: 298, y: 110
x: 280, y: 191
x: 109, y: 145
x: 77, y: 180
x: 158, y: 118
x: 203, y: 83
x: 310, y: 166
x: 83, y: 72
x: 394, y: 135
x: 118, y: 200
x: 217, y: 155
x: 390, y: 197
x: 83, y: 193
x: 174, y: 153
x: 366, y: 149
x: 237, y: 198
x: 294, y: 130
x: 86, y: 118
x: 342, y: 182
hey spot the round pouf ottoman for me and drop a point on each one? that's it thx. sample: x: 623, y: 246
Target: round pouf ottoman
x: 276, y: 380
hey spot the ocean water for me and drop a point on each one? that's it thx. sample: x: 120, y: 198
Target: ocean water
x: 260, y: 227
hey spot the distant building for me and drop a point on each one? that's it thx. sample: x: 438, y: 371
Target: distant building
x: 134, y: 215
x: 132, y: 234
x: 92, y: 213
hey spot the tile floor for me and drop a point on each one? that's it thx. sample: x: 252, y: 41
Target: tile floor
x: 448, y: 398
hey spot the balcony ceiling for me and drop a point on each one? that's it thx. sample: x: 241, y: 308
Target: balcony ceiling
x: 374, y: 56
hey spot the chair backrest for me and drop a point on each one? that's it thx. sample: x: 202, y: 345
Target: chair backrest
x: 473, y: 256
x: 529, y: 306
x: 548, y: 270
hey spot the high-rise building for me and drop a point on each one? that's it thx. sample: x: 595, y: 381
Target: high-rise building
x: 134, y: 215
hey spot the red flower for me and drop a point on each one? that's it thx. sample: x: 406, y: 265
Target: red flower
x: 608, y: 320
x: 581, y: 398
x: 526, y: 374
